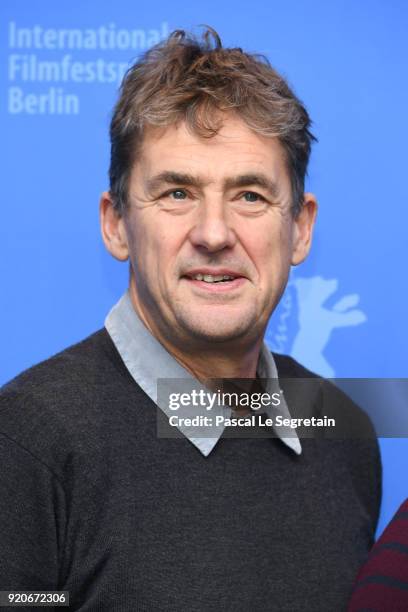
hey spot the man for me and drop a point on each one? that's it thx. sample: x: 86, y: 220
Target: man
x: 209, y: 154
x: 382, y: 582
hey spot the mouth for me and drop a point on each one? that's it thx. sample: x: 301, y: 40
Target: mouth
x: 217, y: 280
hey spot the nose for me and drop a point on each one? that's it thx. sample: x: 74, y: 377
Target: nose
x: 212, y: 230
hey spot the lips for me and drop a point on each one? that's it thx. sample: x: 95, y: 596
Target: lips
x: 209, y: 275
x: 214, y: 280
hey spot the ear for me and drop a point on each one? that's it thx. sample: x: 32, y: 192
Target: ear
x: 303, y: 229
x: 113, y: 228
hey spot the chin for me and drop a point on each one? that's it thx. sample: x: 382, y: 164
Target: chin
x: 217, y: 330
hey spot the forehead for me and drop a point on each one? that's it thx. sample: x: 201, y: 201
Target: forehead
x: 234, y: 149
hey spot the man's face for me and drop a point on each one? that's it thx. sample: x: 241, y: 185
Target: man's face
x: 210, y: 233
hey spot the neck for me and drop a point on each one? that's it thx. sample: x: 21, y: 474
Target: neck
x: 225, y: 363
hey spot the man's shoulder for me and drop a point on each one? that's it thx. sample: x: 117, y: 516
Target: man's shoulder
x: 290, y: 368
x: 64, y: 404
x: 60, y: 393
x: 323, y: 397
x: 67, y: 368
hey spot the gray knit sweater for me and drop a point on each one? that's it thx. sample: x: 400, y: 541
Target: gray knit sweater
x: 93, y: 502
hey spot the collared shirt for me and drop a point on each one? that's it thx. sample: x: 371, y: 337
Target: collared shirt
x: 149, y: 363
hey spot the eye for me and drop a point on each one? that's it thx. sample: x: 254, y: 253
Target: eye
x: 251, y: 196
x: 177, y: 194
x: 176, y: 201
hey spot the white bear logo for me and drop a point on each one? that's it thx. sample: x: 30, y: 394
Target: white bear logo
x: 316, y: 321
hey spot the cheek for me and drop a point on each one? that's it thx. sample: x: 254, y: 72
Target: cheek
x: 155, y: 247
x: 270, y: 253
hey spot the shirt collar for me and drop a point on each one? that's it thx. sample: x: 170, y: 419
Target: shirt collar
x: 147, y: 361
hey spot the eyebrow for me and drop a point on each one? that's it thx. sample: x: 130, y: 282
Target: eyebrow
x: 252, y: 179
x: 169, y: 177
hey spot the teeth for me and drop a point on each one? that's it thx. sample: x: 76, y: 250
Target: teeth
x: 210, y: 278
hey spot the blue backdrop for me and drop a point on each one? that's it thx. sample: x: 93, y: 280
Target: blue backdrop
x: 343, y: 313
